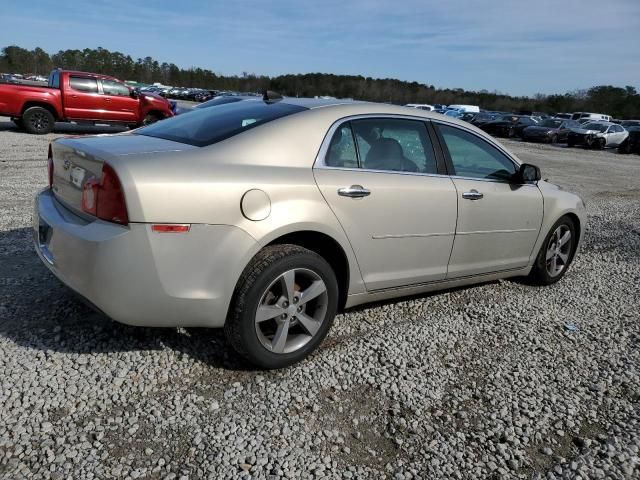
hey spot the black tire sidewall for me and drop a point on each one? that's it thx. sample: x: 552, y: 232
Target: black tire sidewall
x: 540, y: 267
x: 251, y: 294
x: 26, y: 120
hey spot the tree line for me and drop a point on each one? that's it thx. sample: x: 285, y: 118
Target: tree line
x: 620, y: 102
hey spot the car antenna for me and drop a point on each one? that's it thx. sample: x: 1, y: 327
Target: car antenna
x: 269, y: 96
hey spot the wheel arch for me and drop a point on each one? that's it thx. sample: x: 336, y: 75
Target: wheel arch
x: 34, y: 103
x: 329, y: 249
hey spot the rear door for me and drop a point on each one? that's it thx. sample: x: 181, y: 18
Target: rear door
x: 82, y: 101
x: 384, y: 182
x: 498, y: 221
x: 118, y: 105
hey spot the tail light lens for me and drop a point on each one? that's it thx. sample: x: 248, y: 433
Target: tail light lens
x: 50, y: 166
x: 104, y: 198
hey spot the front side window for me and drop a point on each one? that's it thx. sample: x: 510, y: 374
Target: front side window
x: 110, y: 87
x: 206, y: 126
x: 84, y: 84
x: 395, y: 145
x: 474, y: 157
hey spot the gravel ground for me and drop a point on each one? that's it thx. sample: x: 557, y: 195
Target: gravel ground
x: 482, y: 382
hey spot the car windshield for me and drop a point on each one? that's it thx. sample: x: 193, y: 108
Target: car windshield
x: 551, y: 123
x: 207, y: 126
x: 596, y: 126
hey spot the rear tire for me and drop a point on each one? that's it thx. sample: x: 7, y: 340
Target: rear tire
x: 556, y: 253
x: 38, y: 120
x: 264, y: 310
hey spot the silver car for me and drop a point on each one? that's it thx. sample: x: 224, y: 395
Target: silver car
x: 597, y: 135
x: 268, y: 217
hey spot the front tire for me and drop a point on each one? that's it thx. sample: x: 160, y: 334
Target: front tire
x: 283, y: 306
x: 556, y: 253
x: 38, y: 120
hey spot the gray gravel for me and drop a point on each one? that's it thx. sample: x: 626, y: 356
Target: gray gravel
x: 502, y: 380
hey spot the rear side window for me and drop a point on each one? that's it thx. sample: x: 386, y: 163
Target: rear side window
x: 394, y: 145
x: 342, y: 149
x: 206, y: 126
x: 473, y: 157
x: 84, y: 84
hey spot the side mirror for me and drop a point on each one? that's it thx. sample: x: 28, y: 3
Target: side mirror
x: 134, y: 93
x: 527, y: 173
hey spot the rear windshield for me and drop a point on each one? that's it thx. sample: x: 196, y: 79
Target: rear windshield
x: 207, y: 126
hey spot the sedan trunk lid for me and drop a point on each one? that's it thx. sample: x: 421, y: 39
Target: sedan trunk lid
x: 77, y: 160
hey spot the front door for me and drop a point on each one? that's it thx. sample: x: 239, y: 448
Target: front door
x: 118, y: 103
x: 380, y: 178
x: 498, y: 221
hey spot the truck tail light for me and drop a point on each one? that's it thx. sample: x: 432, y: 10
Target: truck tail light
x: 104, y: 198
x: 50, y: 166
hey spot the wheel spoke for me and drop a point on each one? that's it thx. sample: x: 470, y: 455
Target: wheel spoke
x: 554, y: 265
x: 267, y: 312
x: 308, y: 323
x: 564, y: 257
x: 289, y: 281
x: 280, y: 337
x: 312, y: 291
x: 565, y: 238
x: 550, y: 254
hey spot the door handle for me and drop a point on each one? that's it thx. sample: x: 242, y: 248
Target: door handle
x: 472, y: 195
x: 354, y: 191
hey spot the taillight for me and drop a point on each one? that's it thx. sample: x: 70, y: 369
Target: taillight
x: 50, y: 166
x: 105, y: 198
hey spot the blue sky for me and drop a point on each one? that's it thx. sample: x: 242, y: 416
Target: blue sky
x: 517, y: 47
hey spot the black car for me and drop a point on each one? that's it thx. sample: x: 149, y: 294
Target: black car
x: 483, y: 117
x: 551, y: 130
x: 632, y: 143
x: 508, y: 125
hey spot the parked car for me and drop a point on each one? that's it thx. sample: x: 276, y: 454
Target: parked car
x: 484, y: 117
x: 591, y: 116
x: 265, y: 218
x: 507, y: 125
x: 421, y: 106
x: 630, y: 123
x: 597, y: 135
x: 465, y: 108
x: 453, y: 113
x: 566, y: 116
x: 80, y: 97
x: 631, y: 144
x: 551, y: 130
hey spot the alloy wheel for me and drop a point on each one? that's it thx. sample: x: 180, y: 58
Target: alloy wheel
x: 291, y: 311
x: 39, y: 121
x: 558, y: 251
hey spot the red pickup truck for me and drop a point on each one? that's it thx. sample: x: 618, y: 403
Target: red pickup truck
x: 80, y: 97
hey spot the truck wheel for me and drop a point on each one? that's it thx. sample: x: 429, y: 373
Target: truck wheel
x: 38, y: 120
x: 150, y: 118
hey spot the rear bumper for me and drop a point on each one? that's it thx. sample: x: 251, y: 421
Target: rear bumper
x: 139, y: 277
